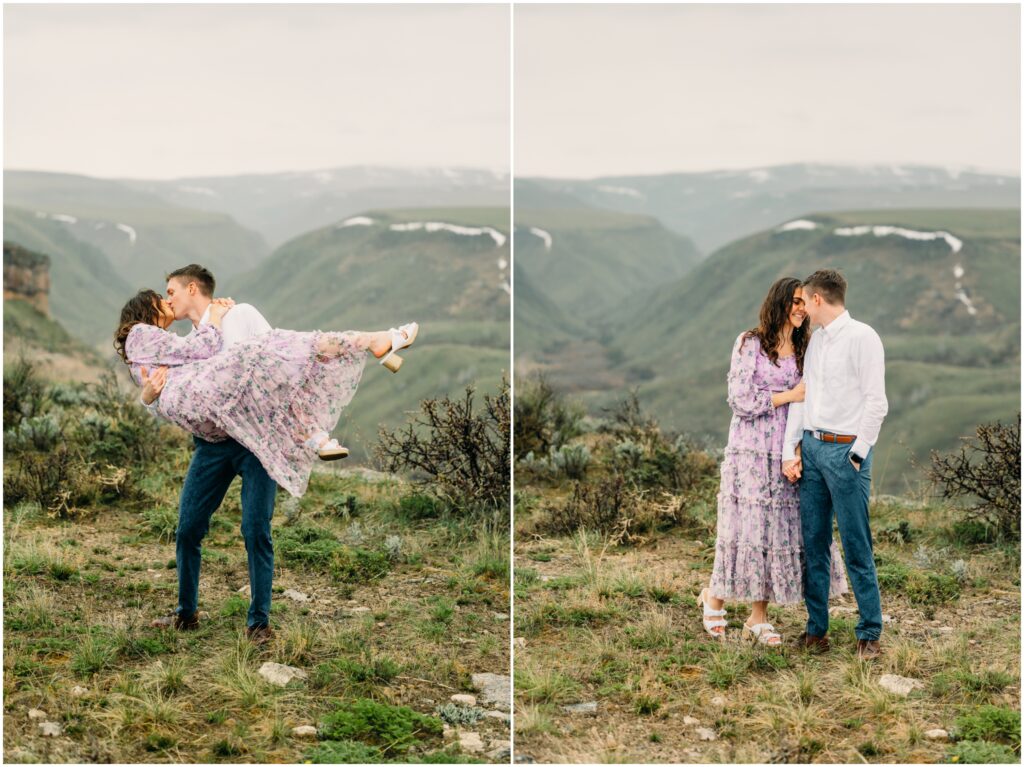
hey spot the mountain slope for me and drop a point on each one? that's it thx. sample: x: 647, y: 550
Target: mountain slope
x: 944, y: 315
x: 363, y: 274
x: 142, y: 235
x: 716, y: 208
x: 588, y: 260
x: 86, y: 292
x: 281, y: 206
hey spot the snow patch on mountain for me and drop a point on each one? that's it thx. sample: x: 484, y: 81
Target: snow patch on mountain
x: 799, y: 224
x: 546, y: 236
x: 356, y: 221
x: 129, y: 231
x: 440, y: 226
x: 954, y: 243
x: 626, y: 191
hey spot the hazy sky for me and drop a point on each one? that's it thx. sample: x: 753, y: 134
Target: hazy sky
x: 166, y: 91
x: 649, y: 89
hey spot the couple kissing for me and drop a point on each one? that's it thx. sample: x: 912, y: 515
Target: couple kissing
x: 259, y: 402
x: 807, y: 411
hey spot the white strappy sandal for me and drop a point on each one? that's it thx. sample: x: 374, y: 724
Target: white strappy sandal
x: 331, y: 450
x: 762, y: 633
x: 400, y: 339
x: 717, y: 617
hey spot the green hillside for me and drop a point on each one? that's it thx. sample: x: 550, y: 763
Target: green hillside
x: 587, y: 260
x: 86, y: 291
x: 947, y: 369
x: 715, y: 208
x: 142, y: 235
x: 367, y: 277
x: 282, y: 206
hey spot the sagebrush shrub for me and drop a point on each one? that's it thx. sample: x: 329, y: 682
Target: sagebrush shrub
x: 987, y: 468
x: 459, y: 450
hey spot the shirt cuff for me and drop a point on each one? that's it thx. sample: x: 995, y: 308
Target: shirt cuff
x: 860, y: 447
x: 789, y: 451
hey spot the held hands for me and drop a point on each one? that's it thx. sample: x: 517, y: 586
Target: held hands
x: 794, y: 468
x: 152, y: 385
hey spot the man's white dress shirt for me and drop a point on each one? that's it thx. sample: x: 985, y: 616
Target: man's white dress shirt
x: 844, y: 372
x: 242, y: 321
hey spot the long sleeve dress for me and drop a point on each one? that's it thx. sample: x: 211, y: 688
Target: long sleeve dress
x: 269, y: 392
x: 759, y: 548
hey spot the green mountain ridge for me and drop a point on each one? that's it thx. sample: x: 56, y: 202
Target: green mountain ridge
x: 715, y: 208
x: 587, y: 259
x: 142, y: 235
x: 947, y: 369
x: 370, y: 276
x: 86, y: 291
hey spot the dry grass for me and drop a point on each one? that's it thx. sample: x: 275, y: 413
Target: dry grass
x: 80, y: 597
x: 620, y: 627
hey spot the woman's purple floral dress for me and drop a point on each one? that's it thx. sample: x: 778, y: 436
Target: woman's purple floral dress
x: 759, y: 551
x: 269, y: 392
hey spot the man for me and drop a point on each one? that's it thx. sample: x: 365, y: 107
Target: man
x: 835, y: 430
x: 214, y: 466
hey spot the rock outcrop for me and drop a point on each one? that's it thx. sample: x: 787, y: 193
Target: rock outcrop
x: 27, y: 277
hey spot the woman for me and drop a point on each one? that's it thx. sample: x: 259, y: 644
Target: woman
x: 759, y: 551
x: 279, y: 394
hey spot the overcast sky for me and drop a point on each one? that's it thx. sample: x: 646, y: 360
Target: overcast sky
x: 167, y: 91
x: 650, y: 89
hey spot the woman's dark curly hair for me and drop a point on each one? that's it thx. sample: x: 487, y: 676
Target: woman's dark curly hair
x: 774, y: 314
x: 142, y: 307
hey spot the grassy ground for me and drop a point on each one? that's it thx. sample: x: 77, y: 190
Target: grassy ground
x: 403, y: 608
x: 619, y: 626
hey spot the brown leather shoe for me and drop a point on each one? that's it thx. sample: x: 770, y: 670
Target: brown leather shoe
x: 176, y: 622
x: 814, y: 644
x: 259, y: 635
x: 868, y: 649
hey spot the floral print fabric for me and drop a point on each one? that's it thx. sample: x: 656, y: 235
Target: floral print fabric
x: 759, y: 550
x: 269, y: 392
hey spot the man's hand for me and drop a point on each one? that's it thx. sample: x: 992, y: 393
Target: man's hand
x: 152, y: 385
x: 792, y: 469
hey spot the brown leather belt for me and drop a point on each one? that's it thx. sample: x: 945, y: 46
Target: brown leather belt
x: 827, y: 436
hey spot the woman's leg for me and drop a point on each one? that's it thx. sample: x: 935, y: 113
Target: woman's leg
x: 758, y: 613
x: 377, y: 342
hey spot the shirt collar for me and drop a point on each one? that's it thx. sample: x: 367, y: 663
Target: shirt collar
x: 840, y: 322
x: 205, y: 318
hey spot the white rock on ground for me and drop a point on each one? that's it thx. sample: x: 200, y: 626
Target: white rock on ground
x: 78, y: 691
x: 500, y: 716
x: 279, y: 674
x: 586, y: 709
x: 499, y: 750
x: 706, y: 734
x: 463, y: 700
x: 494, y: 689
x: 937, y: 734
x: 718, y: 701
x: 900, y: 685
x: 295, y: 596
x: 470, y: 741
x: 304, y: 731
x: 50, y: 729
x: 36, y: 713
x: 689, y: 721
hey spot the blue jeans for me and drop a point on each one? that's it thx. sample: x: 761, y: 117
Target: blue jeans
x: 830, y: 485
x: 213, y: 468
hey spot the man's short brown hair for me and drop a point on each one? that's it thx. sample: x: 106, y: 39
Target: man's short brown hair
x: 829, y: 283
x: 200, y: 275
